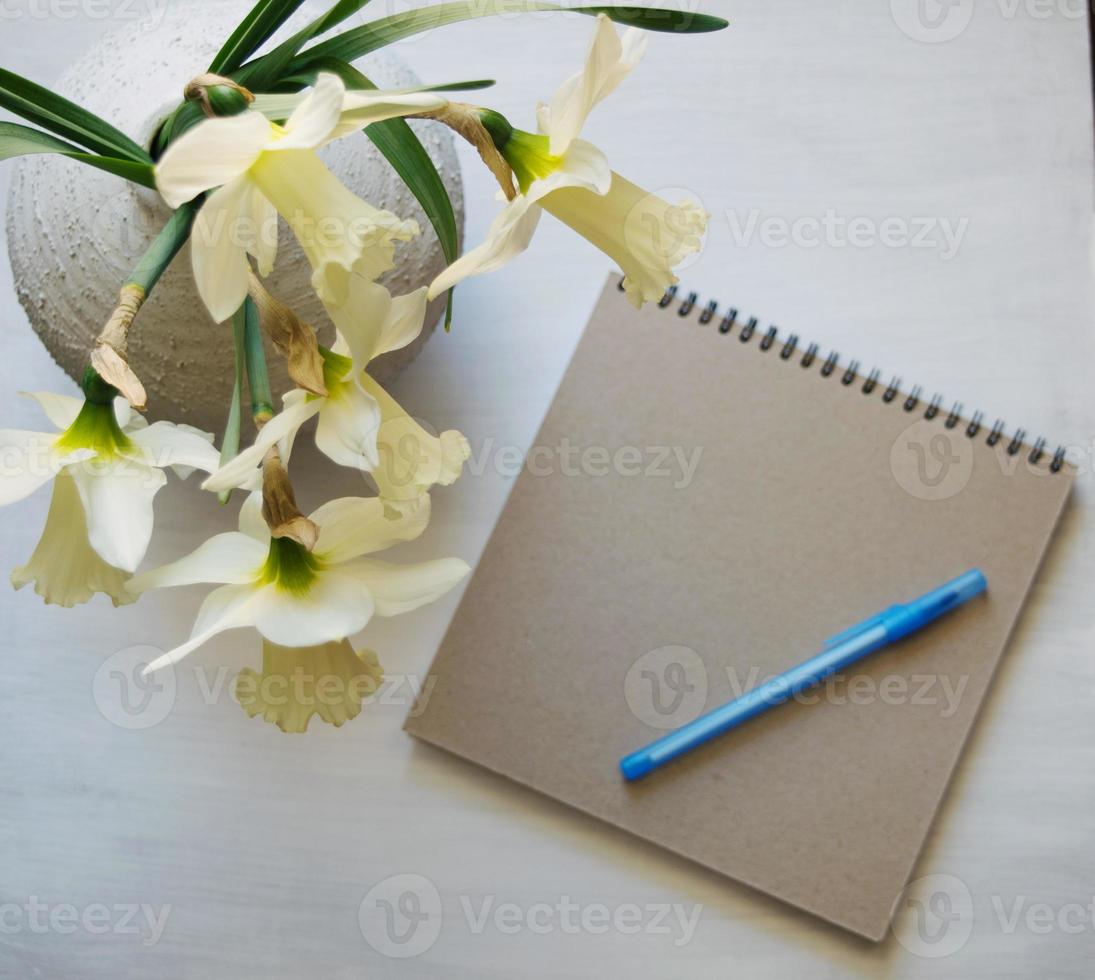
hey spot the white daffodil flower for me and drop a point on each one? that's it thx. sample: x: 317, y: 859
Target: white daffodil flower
x: 297, y: 598
x: 360, y: 425
x: 259, y: 169
x: 110, y: 462
x: 297, y: 683
x: 570, y: 178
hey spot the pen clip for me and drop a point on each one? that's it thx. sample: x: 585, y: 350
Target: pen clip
x: 861, y: 628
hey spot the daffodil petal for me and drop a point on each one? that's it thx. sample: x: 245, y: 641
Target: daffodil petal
x: 226, y: 608
x: 371, y: 322
x: 349, y: 421
x: 61, y: 410
x: 251, y: 521
x: 232, y: 558
x: 29, y: 459
x: 290, y: 401
x: 509, y: 235
x: 182, y: 447
x: 313, y: 121
x: 262, y: 232
x: 334, y: 606
x: 608, y: 62
x: 218, y: 252
x: 214, y: 152
x: 127, y: 419
x: 583, y: 166
x: 118, y: 505
x: 361, y: 317
x: 362, y: 108
x: 239, y: 470
x: 399, y: 589
x: 354, y: 526
x: 406, y: 317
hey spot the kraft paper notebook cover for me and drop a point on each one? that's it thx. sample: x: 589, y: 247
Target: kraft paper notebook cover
x: 612, y: 603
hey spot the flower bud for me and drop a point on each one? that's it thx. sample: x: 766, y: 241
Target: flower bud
x: 219, y: 96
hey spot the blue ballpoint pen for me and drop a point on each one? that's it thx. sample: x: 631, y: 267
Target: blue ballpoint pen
x: 839, y: 651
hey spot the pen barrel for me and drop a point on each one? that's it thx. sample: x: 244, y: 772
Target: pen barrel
x: 775, y: 690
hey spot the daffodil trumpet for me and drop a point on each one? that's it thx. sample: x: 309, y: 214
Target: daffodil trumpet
x: 329, y: 681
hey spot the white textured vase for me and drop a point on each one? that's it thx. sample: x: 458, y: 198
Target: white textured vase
x: 75, y: 233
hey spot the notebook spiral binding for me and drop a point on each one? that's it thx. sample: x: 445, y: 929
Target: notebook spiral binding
x: 850, y: 374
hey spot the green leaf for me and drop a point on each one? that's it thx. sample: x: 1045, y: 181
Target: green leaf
x: 230, y: 445
x: 294, y: 83
x: 264, y: 18
x: 659, y: 19
x: 39, y: 105
x: 185, y: 116
x: 17, y: 140
x: 408, y: 157
x: 355, y: 43
x: 266, y: 71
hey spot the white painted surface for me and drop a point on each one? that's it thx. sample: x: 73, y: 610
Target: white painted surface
x: 265, y: 845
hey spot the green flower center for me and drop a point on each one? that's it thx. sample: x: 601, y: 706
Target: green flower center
x: 335, y: 369
x: 96, y: 428
x: 531, y: 157
x: 289, y: 566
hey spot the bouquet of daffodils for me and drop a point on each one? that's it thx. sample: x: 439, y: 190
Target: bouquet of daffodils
x: 236, y: 156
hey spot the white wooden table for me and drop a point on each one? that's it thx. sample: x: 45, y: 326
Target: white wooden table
x: 802, y: 117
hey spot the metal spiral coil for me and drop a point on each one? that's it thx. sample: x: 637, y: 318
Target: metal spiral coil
x: 850, y: 375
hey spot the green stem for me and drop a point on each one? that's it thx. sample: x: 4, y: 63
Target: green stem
x: 108, y: 361
x: 258, y: 380
x: 164, y: 248
x: 230, y: 445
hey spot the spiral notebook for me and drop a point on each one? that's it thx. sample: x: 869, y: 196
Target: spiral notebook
x: 728, y: 498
